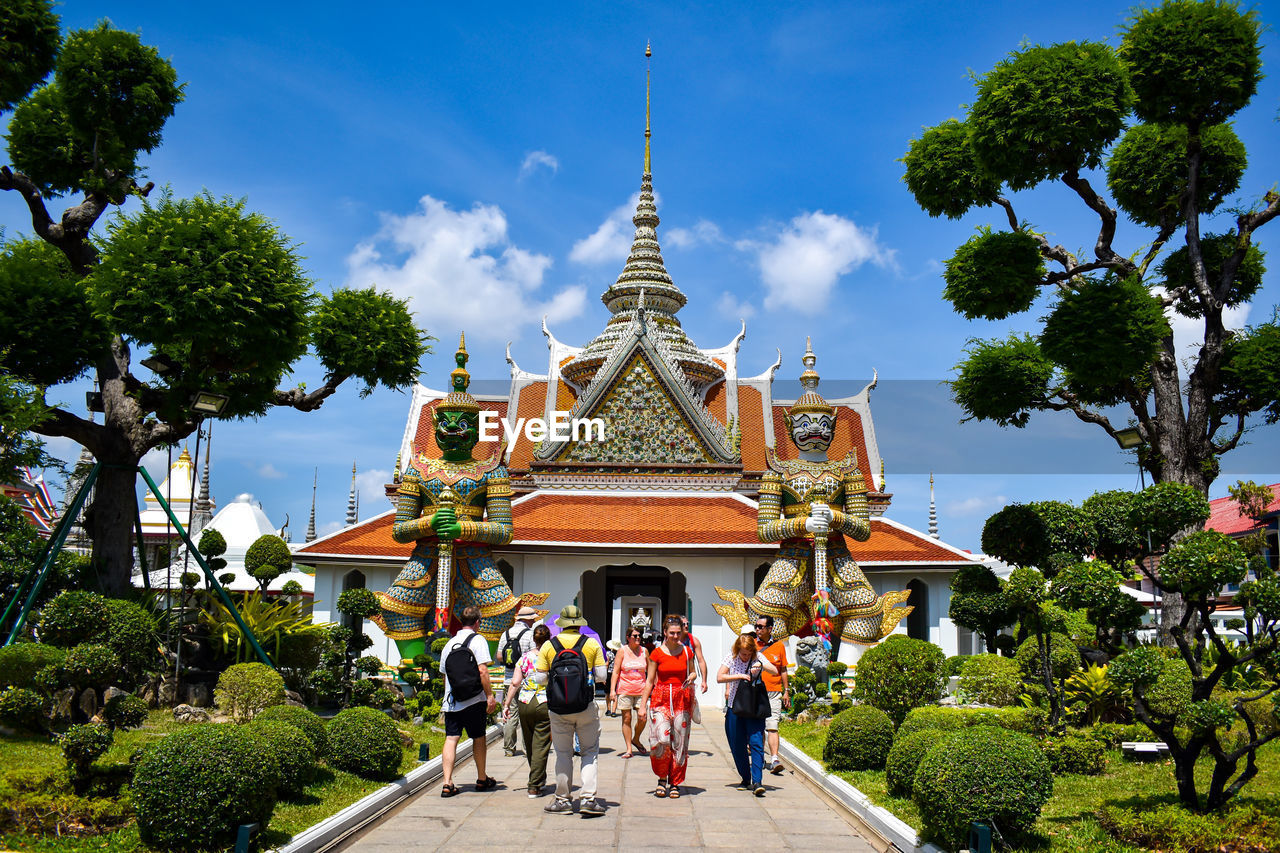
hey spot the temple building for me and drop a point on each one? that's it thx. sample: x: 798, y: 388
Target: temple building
x: 662, y: 511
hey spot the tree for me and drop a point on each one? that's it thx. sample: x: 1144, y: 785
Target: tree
x: 1053, y: 114
x: 979, y: 604
x: 267, y: 559
x: 211, y: 292
x: 1253, y: 500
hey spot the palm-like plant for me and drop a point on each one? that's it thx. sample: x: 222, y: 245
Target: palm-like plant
x: 271, y: 620
x: 1100, y: 696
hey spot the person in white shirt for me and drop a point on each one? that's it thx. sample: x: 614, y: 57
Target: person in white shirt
x: 464, y: 712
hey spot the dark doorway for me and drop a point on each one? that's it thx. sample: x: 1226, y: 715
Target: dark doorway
x: 602, y: 588
x: 918, y: 620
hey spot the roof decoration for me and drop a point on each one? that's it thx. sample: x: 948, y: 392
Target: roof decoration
x: 458, y: 400
x: 810, y: 401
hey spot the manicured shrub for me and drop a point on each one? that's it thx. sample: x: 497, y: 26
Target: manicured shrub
x: 1111, y: 735
x: 310, y: 724
x: 858, y: 739
x: 291, y: 750
x: 131, y: 634
x: 20, y: 662
x: 73, y: 617
x: 905, y: 756
x: 89, y: 665
x: 1026, y: 720
x: 125, y: 711
x: 193, y: 789
x: 365, y: 742
x: 267, y: 558
x: 1074, y: 754
x: 368, y: 665
x: 291, y: 588
x: 359, y: 602
x: 990, y: 679
x: 1064, y: 658
x: 1171, y: 694
x: 982, y: 773
x: 83, y: 745
x: 23, y: 708
x: 951, y: 668
x: 898, y: 674
x: 246, y: 688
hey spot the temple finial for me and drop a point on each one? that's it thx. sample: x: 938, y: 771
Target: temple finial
x: 648, y: 52
x: 933, y: 510
x: 311, y: 523
x: 352, y: 513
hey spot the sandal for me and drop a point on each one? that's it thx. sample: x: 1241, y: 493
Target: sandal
x: 638, y: 748
x: 449, y: 790
x: 661, y: 790
x: 674, y: 794
x: 488, y: 783
x: 626, y: 755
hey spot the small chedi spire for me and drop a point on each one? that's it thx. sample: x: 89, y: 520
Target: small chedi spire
x: 352, y: 513
x: 311, y: 523
x: 933, y: 510
x: 811, y: 401
x: 645, y: 270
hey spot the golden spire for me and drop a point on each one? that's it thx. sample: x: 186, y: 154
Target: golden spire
x: 648, y: 52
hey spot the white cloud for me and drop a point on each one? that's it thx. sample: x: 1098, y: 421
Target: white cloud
x: 461, y: 272
x: 610, y: 242
x: 270, y: 472
x: 734, y: 308
x: 800, y: 266
x: 702, y: 233
x: 371, y: 486
x: 976, y: 505
x: 535, y: 159
x: 329, y: 527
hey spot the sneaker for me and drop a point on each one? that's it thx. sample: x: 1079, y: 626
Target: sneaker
x: 509, y: 753
x: 534, y: 793
x: 777, y: 767
x: 759, y: 790
x: 558, y: 806
x: 743, y: 785
x: 591, y: 808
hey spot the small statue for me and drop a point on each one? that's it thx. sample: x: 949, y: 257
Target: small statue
x: 454, y: 508
x: 812, y: 653
x: 810, y: 505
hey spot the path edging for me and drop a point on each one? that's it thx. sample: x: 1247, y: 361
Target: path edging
x: 898, y: 832
x: 362, y: 811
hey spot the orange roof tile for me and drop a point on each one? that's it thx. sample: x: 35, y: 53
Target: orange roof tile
x: 717, y: 404
x: 533, y: 398
x: 1225, y: 517
x: 751, y: 422
x: 370, y: 538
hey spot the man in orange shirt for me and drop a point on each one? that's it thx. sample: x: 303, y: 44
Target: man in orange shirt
x: 776, y: 653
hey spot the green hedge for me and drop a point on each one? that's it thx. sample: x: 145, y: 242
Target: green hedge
x: 365, y: 742
x: 905, y: 757
x: 20, y: 662
x: 858, y: 739
x: 982, y: 773
x: 193, y: 789
x: 1074, y: 753
x: 310, y: 724
x: 991, y: 680
x: 1027, y: 720
x: 291, y: 750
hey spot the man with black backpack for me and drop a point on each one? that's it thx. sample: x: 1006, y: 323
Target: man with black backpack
x: 468, y: 699
x: 571, y: 665
x: 513, y: 643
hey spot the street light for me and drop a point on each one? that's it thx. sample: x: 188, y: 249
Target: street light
x: 1129, y: 438
x: 209, y: 403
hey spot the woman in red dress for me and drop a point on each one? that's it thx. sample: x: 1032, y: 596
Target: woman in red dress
x: 668, y: 698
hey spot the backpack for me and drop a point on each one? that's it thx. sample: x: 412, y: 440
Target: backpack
x: 569, y: 690
x: 511, y: 652
x: 751, y: 701
x: 463, y: 672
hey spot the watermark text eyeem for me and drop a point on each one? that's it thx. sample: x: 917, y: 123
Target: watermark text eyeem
x: 560, y: 428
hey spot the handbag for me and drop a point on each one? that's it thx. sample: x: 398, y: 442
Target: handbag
x: 751, y: 701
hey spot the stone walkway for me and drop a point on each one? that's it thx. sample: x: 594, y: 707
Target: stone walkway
x: 711, y: 813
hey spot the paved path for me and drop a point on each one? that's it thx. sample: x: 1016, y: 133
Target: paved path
x: 711, y: 813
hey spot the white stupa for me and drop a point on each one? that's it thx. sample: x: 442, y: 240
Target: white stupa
x: 240, y: 522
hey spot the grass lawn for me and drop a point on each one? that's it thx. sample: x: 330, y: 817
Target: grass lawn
x: 1068, y: 823
x: 24, y: 758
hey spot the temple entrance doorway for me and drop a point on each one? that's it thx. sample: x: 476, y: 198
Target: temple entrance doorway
x: 611, y: 595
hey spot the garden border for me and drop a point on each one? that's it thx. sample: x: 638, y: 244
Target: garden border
x: 896, y: 831
x: 363, y: 812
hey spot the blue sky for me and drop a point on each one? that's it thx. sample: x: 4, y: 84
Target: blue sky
x: 481, y: 159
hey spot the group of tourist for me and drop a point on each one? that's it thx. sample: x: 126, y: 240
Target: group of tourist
x: 550, y: 701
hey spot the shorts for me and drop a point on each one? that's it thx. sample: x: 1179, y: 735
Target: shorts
x: 470, y: 719
x: 775, y: 712
x: 628, y: 701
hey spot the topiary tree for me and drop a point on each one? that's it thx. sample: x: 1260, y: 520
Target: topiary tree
x: 991, y: 680
x: 858, y: 739
x: 225, y: 778
x: 267, y: 559
x: 365, y: 742
x: 89, y: 666
x: 244, y: 689
x: 978, y: 603
x: 124, y: 711
x: 898, y: 674
x: 81, y: 746
x: 1096, y: 588
x: 905, y: 756
x: 984, y: 774
x: 212, y: 293
x: 23, y: 708
x: 290, y: 749
x: 1155, y: 114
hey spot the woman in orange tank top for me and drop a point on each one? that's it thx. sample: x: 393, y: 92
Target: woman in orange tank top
x: 668, y: 697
